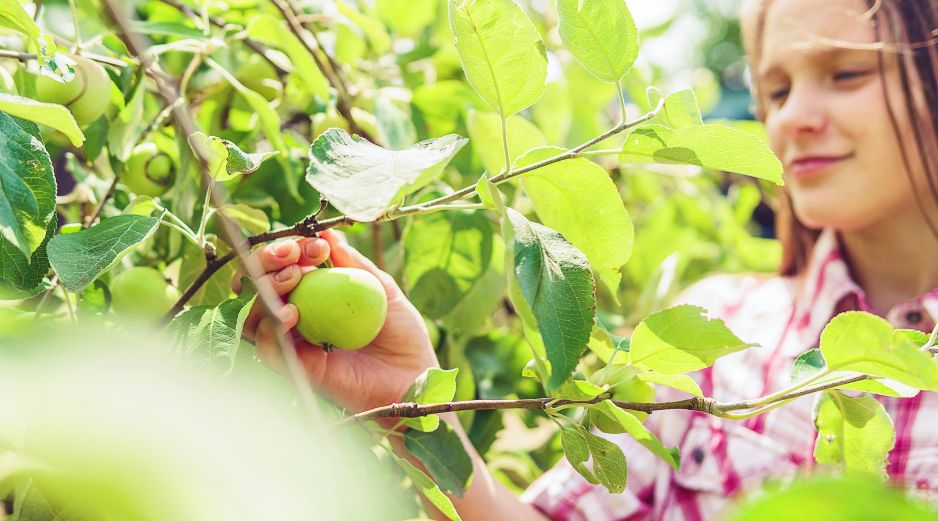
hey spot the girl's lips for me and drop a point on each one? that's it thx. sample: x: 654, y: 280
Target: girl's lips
x: 809, y: 166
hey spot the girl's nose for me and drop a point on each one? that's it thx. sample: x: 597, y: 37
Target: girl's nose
x: 803, y: 113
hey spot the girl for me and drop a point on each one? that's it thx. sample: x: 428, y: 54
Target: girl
x: 848, y: 91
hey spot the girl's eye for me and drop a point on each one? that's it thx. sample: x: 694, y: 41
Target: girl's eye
x: 778, y: 94
x: 850, y: 75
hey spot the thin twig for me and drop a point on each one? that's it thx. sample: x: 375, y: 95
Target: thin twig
x: 309, y: 228
x: 266, y: 295
x: 343, y: 103
x: 27, y: 56
x: 221, y: 23
x: 90, y: 220
x: 415, y: 410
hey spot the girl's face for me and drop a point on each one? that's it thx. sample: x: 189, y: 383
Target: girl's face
x: 826, y: 115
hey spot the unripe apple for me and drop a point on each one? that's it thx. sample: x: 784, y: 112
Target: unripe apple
x: 88, y: 95
x: 142, y: 293
x: 148, y: 171
x: 340, y: 307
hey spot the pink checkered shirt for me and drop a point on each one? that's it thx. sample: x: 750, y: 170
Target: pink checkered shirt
x: 724, y: 460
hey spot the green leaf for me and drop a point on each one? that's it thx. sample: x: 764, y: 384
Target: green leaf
x: 212, y: 334
x: 681, y: 382
x: 479, y: 304
x: 501, y: 52
x: 485, y: 134
x: 378, y: 38
x: 811, y: 362
x: 270, y: 31
x: 218, y: 286
x: 428, y: 488
x: 227, y: 161
x: 432, y: 386
x: 682, y: 339
x: 578, y: 199
x: 836, y: 498
x: 579, y: 390
x: 807, y: 365
x: 555, y: 280
x: 269, y: 121
x: 21, y: 277
x: 601, y: 35
x: 395, y: 127
x: 80, y: 258
x: 444, y: 455
x: 48, y: 114
x: 634, y: 428
x: 13, y: 16
x: 27, y: 185
x: 854, y: 432
x: 710, y: 146
x: 681, y: 110
x: 577, y: 450
x: 609, y: 467
x: 865, y: 343
x: 252, y: 220
x: 407, y: 17
x: 167, y: 28
x: 446, y: 253
x: 363, y: 180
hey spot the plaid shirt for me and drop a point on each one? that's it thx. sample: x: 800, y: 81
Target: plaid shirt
x: 723, y: 460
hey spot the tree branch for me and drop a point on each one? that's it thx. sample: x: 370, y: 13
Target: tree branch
x: 266, y: 295
x: 221, y: 23
x: 27, y: 56
x: 701, y: 404
x: 310, y: 227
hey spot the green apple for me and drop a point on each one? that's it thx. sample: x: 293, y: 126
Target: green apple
x: 142, y: 293
x: 148, y: 171
x: 340, y: 307
x: 88, y: 95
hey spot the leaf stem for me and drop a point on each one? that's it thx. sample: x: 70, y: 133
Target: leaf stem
x: 507, y: 168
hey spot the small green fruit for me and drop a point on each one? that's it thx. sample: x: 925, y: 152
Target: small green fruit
x: 148, y: 171
x: 142, y: 293
x: 87, y: 95
x: 340, y: 307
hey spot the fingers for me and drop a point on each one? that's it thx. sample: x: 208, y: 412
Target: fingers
x: 283, y: 282
x: 272, y: 257
x: 313, y: 251
x: 265, y: 339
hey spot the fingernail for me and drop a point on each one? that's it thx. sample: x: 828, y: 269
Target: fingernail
x: 286, y: 312
x: 285, y: 274
x: 282, y: 249
x: 312, y: 249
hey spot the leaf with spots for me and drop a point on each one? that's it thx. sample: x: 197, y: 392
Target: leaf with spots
x: 363, y: 180
x: 856, y: 433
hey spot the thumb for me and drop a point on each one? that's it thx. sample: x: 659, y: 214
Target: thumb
x: 345, y: 256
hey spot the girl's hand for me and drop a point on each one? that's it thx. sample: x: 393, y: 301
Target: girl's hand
x: 375, y: 375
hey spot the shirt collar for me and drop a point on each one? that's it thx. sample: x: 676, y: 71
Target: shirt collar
x: 827, y: 288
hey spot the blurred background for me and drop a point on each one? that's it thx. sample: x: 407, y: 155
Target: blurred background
x: 408, y: 85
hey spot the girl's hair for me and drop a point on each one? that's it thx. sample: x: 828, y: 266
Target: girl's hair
x: 908, y: 28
